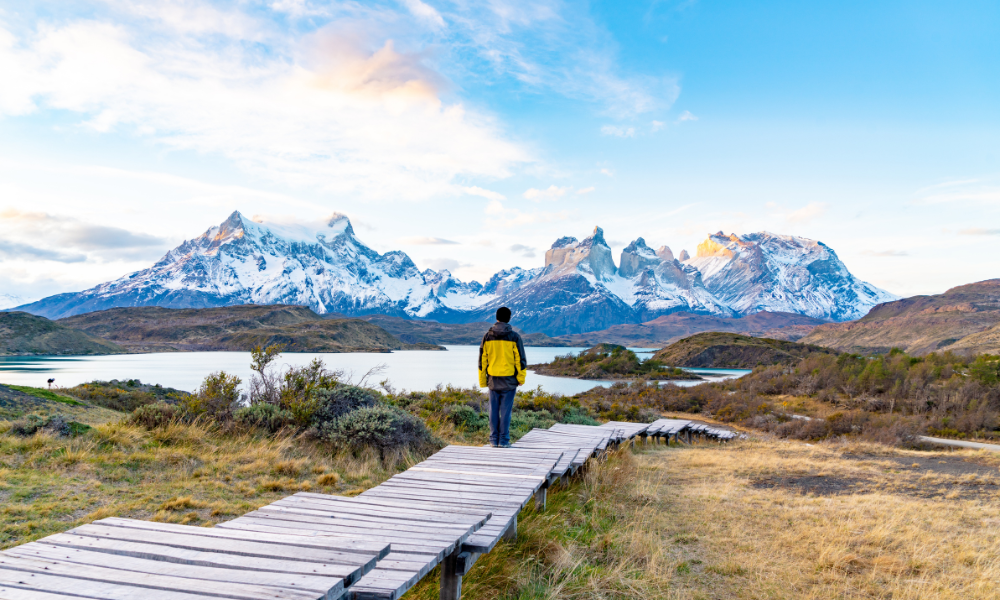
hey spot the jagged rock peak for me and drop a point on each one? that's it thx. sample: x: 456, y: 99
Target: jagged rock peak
x: 664, y: 253
x: 564, y: 241
x: 636, y: 258
x: 683, y: 256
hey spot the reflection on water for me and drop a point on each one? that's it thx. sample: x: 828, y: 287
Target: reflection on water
x: 413, y: 370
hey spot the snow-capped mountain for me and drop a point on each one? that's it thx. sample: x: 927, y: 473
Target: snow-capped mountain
x: 783, y: 273
x: 324, y: 266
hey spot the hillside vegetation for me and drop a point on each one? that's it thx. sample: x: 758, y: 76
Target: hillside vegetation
x: 675, y: 326
x: 468, y: 334
x: 25, y: 334
x: 733, y: 351
x: 965, y: 319
x: 237, y: 328
x: 609, y: 361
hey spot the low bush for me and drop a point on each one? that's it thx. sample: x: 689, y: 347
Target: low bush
x: 333, y: 403
x: 264, y: 416
x: 125, y: 395
x: 156, y: 415
x: 56, y: 425
x: 217, y: 398
x: 381, y: 427
x: 470, y: 419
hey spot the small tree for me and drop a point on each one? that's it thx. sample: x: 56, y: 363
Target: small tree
x: 217, y: 398
x: 265, y: 385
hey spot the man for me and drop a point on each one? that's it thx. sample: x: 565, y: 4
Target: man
x: 501, y: 368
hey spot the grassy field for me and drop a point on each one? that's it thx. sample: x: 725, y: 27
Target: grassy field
x: 759, y: 518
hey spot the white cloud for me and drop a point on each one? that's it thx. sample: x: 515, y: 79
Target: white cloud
x: 886, y: 253
x: 807, y: 213
x: 446, y: 264
x: 550, y: 193
x: 424, y: 12
x: 585, y: 190
x: 969, y: 190
x: 616, y: 131
x: 426, y: 241
x: 483, y: 193
x: 686, y: 116
x: 525, y: 251
x: 323, y: 111
x: 607, y: 172
x: 979, y: 231
x: 657, y: 125
x: 510, y: 217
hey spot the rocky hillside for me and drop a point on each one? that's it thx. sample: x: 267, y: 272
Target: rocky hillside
x: 963, y: 319
x: 22, y: 333
x: 675, y: 326
x: 733, y: 351
x: 155, y: 329
x: 580, y: 288
x: 413, y: 331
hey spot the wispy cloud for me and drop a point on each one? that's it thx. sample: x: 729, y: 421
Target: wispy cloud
x: 446, y: 264
x: 585, y: 190
x: 807, y: 213
x: 426, y: 241
x: 525, y: 251
x: 886, y: 253
x: 29, y: 235
x: 483, y: 193
x: 511, y: 217
x: 552, y: 192
x: 974, y: 191
x: 608, y: 172
x: 979, y: 231
x: 337, y: 109
x: 615, y: 131
x: 686, y: 116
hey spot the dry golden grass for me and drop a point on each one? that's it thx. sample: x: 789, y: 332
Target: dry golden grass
x: 758, y: 519
x: 179, y: 473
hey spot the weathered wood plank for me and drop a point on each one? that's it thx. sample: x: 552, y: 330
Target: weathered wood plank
x: 205, y: 558
x: 331, y: 586
x: 355, y: 545
x: 197, y: 542
x: 17, y: 566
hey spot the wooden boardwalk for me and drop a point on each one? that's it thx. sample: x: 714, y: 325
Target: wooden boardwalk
x: 448, y: 510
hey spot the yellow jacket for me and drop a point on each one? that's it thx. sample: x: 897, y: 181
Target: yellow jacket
x: 502, y: 362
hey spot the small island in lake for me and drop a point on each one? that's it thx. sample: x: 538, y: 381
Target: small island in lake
x: 610, y: 361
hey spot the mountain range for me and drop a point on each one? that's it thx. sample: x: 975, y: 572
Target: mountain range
x: 964, y: 319
x: 579, y: 289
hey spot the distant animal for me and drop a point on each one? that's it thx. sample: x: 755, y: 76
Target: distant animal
x: 51, y: 381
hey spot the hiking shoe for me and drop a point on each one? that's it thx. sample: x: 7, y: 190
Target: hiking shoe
x: 507, y: 445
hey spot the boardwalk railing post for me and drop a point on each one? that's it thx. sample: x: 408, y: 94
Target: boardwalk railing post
x: 541, y: 497
x: 511, y: 532
x: 451, y: 579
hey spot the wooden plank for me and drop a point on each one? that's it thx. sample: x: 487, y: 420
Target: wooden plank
x: 331, y: 586
x: 355, y: 502
x: 206, y: 559
x: 373, y: 531
x: 9, y: 593
x: 291, y: 527
x: 402, y: 524
x: 356, y: 545
x: 375, y: 512
x: 101, y: 590
x: 21, y: 566
x: 197, y: 542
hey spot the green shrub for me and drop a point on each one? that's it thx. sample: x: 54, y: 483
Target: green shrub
x: 156, y: 415
x: 382, y: 427
x: 333, y: 403
x: 56, y: 425
x: 264, y: 416
x: 217, y: 398
x: 126, y: 395
x: 463, y: 415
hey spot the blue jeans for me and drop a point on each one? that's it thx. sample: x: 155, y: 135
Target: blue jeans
x: 501, y: 404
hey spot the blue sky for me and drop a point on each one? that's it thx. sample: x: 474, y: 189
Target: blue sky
x: 127, y: 126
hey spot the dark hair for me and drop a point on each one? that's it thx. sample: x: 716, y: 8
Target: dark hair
x: 503, y: 314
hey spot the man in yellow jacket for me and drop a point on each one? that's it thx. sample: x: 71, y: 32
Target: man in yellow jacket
x: 501, y: 368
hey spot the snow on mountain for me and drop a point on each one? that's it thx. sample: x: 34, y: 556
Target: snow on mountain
x: 782, y: 273
x: 324, y: 266
x: 321, y: 265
